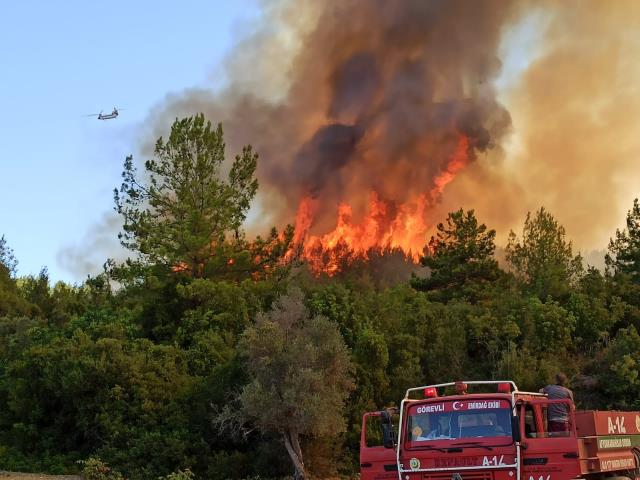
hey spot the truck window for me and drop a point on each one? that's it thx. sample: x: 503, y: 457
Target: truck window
x: 455, y: 420
x: 530, y: 430
x: 549, y: 431
x: 538, y: 415
x: 373, y: 433
x: 373, y: 429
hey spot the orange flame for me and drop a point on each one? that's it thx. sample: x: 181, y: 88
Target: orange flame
x: 458, y: 161
x: 385, y: 226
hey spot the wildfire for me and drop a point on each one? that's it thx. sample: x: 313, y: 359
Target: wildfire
x: 385, y: 226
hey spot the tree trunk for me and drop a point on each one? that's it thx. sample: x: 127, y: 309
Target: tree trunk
x: 296, y: 445
x: 293, y: 448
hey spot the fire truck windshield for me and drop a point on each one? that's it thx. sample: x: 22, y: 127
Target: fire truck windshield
x: 453, y: 420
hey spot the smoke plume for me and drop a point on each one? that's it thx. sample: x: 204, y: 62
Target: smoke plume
x: 390, y: 99
x: 575, y: 141
x: 373, y: 119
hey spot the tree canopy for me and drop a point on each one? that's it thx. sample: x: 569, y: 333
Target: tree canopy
x: 624, y: 251
x: 300, y: 375
x: 184, y: 209
x: 460, y: 257
x: 542, y: 259
x: 7, y: 257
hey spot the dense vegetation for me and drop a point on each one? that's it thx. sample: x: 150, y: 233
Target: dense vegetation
x: 220, y: 354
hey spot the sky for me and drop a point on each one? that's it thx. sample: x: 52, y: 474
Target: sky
x: 62, y: 61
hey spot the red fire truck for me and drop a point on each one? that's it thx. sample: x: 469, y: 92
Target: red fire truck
x: 495, y: 432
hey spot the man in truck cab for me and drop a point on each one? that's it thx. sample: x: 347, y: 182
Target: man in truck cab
x: 558, y: 414
x: 441, y: 427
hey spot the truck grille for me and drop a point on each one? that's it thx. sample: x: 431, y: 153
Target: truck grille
x: 465, y: 475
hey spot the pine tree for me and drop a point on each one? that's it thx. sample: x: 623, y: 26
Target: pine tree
x: 183, y: 212
x: 624, y: 252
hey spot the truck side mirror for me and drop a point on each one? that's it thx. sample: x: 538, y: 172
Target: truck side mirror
x: 388, y: 439
x: 515, y: 428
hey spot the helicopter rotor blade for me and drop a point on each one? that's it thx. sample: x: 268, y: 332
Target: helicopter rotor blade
x: 92, y: 115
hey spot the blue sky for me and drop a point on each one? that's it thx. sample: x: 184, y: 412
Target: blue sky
x: 61, y: 61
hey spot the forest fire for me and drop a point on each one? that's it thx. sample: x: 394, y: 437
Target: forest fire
x: 361, y: 130
x: 386, y: 226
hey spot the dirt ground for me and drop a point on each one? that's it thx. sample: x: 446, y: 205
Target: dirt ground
x: 35, y: 476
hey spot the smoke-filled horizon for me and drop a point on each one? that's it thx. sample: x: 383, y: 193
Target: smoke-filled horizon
x: 575, y: 142
x: 342, y: 99
x: 375, y: 119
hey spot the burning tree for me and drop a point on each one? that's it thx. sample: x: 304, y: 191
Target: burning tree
x: 185, y: 214
x: 376, y: 119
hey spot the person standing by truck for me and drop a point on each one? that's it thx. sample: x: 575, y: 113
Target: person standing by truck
x: 558, y: 414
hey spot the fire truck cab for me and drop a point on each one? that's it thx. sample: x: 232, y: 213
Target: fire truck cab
x: 495, y: 432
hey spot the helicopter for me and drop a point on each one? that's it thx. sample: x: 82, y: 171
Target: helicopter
x: 106, y: 116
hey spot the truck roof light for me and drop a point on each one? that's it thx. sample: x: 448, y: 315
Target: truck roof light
x: 430, y: 392
x: 504, y: 388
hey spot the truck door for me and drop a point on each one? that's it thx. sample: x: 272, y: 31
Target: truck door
x: 376, y: 461
x: 547, y: 455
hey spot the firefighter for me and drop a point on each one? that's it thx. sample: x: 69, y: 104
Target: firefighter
x: 558, y: 414
x: 441, y: 427
x: 460, y: 388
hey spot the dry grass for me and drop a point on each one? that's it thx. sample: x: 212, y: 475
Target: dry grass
x: 35, y: 476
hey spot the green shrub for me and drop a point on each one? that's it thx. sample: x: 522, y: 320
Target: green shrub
x: 95, y: 469
x: 179, y: 475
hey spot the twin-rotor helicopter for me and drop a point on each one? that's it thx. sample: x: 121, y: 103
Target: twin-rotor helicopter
x: 106, y: 116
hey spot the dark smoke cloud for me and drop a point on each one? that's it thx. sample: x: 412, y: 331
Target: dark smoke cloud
x: 375, y: 98
x: 321, y: 158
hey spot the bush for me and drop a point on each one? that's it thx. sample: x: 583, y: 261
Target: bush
x: 96, y: 469
x: 179, y: 475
